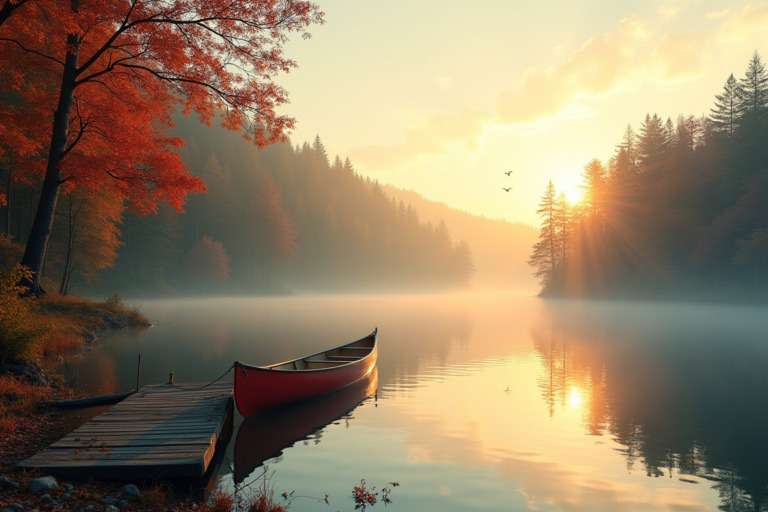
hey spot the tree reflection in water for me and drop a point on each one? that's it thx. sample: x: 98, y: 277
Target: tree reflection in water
x: 680, y: 404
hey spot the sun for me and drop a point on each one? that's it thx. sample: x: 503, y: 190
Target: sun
x: 573, y: 194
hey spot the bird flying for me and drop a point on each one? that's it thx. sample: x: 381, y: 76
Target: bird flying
x: 506, y: 189
x: 509, y: 173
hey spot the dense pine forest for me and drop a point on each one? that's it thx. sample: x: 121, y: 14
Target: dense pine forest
x: 280, y: 218
x: 680, y: 209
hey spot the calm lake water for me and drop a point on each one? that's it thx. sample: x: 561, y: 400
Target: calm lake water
x: 482, y: 401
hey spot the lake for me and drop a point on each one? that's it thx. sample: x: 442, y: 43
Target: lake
x: 481, y: 401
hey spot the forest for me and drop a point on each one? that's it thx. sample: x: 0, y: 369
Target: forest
x: 679, y: 210
x: 273, y: 220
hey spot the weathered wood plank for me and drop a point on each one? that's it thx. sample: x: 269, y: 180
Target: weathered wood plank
x: 160, y: 431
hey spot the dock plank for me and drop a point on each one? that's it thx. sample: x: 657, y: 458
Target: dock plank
x: 161, y: 431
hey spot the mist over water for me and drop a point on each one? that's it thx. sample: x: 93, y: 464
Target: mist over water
x: 489, y: 401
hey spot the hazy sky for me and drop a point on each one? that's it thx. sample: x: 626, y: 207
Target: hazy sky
x: 443, y: 97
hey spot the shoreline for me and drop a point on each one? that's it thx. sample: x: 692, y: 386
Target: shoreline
x: 30, y: 421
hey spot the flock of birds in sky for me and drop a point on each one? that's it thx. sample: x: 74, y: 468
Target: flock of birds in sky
x: 505, y: 189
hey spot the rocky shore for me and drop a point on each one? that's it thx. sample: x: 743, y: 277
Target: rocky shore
x: 47, y: 492
x: 39, y: 424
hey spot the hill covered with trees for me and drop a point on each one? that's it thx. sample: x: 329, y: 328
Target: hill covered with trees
x: 680, y: 209
x: 499, y: 248
x: 277, y: 218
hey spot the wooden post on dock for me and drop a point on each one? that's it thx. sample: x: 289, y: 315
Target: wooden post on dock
x: 138, y: 373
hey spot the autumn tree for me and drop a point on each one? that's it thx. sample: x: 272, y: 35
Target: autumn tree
x: 9, y: 6
x: 112, y: 73
x: 90, y: 237
x: 207, y: 262
x: 273, y: 231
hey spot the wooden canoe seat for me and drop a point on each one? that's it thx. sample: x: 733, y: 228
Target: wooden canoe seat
x: 351, y: 358
x: 326, y: 361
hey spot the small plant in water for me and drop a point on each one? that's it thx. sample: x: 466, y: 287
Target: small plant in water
x: 365, y: 497
x: 222, y: 502
x: 262, y: 498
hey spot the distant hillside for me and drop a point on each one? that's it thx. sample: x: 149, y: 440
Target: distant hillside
x: 500, y: 249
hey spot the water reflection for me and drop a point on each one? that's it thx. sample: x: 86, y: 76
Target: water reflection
x: 684, y: 395
x: 266, y: 435
x: 492, y: 402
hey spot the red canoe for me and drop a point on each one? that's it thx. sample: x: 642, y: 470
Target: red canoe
x: 266, y: 435
x: 259, y: 388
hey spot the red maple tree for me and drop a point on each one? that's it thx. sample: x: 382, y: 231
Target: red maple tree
x: 107, y: 76
x: 207, y: 262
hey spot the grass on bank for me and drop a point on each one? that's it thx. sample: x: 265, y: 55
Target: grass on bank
x: 34, y: 328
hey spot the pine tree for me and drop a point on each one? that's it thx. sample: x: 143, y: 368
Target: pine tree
x: 724, y: 114
x: 753, y: 89
x: 629, y: 143
x: 319, y: 149
x: 651, y: 142
x: 563, y: 221
x: 670, y: 134
x: 594, y: 180
x: 544, y: 258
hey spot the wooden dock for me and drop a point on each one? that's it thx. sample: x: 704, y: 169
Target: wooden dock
x: 162, y: 431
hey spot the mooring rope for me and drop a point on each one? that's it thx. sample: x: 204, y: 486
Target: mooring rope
x: 209, y: 384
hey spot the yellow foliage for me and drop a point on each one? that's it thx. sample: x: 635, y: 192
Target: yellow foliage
x: 20, y: 333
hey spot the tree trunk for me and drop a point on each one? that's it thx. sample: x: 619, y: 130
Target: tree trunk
x: 65, y: 277
x: 8, y: 205
x: 37, y: 244
x: 8, y: 8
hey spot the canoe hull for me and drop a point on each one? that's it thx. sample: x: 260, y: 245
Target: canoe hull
x: 266, y: 435
x: 260, y: 388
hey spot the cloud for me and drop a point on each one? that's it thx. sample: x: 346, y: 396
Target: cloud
x: 603, y: 66
x: 751, y: 20
x: 622, y: 60
x: 680, y: 57
x: 432, y: 136
x: 581, y: 489
x: 667, y: 13
x: 716, y: 15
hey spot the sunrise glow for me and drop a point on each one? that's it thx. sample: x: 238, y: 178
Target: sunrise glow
x: 538, y: 88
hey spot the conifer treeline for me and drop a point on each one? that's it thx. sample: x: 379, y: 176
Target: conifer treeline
x: 278, y: 217
x: 680, y: 208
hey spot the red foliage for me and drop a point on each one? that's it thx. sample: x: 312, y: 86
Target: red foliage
x: 208, y: 262
x: 108, y: 76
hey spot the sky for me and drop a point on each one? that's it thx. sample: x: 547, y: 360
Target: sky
x: 445, y: 97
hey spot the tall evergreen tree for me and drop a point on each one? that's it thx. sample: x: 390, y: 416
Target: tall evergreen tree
x: 319, y: 149
x: 724, y: 114
x: 651, y: 142
x: 563, y: 221
x: 594, y: 180
x: 544, y: 258
x: 753, y: 88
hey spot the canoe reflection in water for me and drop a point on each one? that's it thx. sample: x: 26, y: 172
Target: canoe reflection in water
x: 264, y: 436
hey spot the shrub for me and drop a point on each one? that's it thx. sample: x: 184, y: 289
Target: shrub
x: 156, y: 497
x: 20, y: 333
x: 222, y: 502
